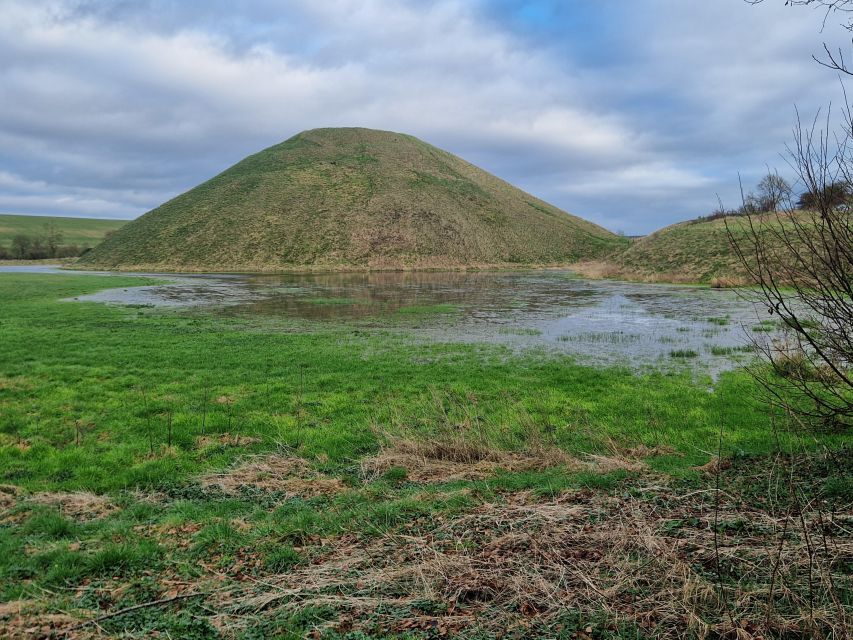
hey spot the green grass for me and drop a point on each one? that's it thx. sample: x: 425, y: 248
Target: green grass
x: 428, y: 309
x: 683, y: 353
x: 87, y: 392
x: 332, y: 301
x: 119, y: 374
x: 84, y: 232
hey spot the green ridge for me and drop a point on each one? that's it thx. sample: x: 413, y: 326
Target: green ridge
x: 85, y: 232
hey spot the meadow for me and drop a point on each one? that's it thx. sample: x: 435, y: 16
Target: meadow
x: 196, y: 474
x: 84, y: 232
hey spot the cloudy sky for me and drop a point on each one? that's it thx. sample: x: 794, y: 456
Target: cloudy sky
x: 632, y: 113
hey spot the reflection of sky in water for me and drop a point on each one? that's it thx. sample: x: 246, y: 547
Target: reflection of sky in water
x: 598, y: 321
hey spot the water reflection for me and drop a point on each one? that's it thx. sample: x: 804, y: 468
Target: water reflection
x: 603, y: 322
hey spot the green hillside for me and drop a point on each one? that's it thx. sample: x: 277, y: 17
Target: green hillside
x: 85, y: 232
x: 696, y: 251
x: 351, y: 198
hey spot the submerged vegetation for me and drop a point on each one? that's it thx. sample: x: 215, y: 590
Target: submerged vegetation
x: 203, y: 475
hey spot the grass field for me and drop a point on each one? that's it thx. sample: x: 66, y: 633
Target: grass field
x: 208, y: 476
x: 84, y: 232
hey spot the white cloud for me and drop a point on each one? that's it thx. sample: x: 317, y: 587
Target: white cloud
x: 118, y: 106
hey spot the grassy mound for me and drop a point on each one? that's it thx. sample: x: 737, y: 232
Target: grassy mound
x: 693, y: 251
x: 351, y: 198
x: 696, y: 251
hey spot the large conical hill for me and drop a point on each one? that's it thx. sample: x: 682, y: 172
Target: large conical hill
x: 351, y: 199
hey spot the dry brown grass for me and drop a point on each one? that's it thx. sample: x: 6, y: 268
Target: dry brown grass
x: 79, y: 505
x: 508, y: 565
x: 728, y: 282
x: 225, y: 440
x: 613, y: 270
x: 27, y: 620
x: 8, y: 496
x: 286, y: 474
x: 442, y: 461
x: 459, y: 454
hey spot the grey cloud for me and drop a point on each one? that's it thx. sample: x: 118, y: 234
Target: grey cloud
x: 116, y: 106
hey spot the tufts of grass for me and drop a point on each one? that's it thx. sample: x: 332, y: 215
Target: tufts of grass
x: 683, y: 353
x: 428, y: 309
x: 331, y: 301
x: 519, y: 331
x: 280, y: 558
x: 49, y: 524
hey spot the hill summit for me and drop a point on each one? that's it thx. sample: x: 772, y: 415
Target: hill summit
x: 350, y: 199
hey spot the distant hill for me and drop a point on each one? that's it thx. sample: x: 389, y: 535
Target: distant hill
x: 84, y: 232
x: 351, y: 198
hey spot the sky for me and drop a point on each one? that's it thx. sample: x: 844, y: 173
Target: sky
x: 632, y: 113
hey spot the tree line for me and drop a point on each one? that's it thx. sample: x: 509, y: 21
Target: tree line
x: 773, y: 193
x: 49, y: 243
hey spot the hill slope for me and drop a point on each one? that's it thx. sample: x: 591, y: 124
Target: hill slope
x: 85, y: 232
x: 351, y: 198
x: 696, y: 251
x: 693, y: 251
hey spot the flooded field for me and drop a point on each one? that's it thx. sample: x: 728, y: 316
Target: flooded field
x: 602, y: 322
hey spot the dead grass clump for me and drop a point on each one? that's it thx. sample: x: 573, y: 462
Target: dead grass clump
x: 288, y: 474
x: 8, y: 495
x: 26, y: 620
x: 80, y: 505
x: 715, y: 465
x: 597, y: 269
x: 648, y: 563
x: 459, y: 459
x: 641, y: 451
x: 15, y: 442
x: 607, y: 464
x: 226, y: 440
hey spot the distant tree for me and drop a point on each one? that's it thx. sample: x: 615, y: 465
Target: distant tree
x: 773, y: 192
x: 69, y: 251
x: 52, y: 239
x: 835, y: 194
x: 802, y: 264
x: 21, y: 245
x: 751, y: 204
